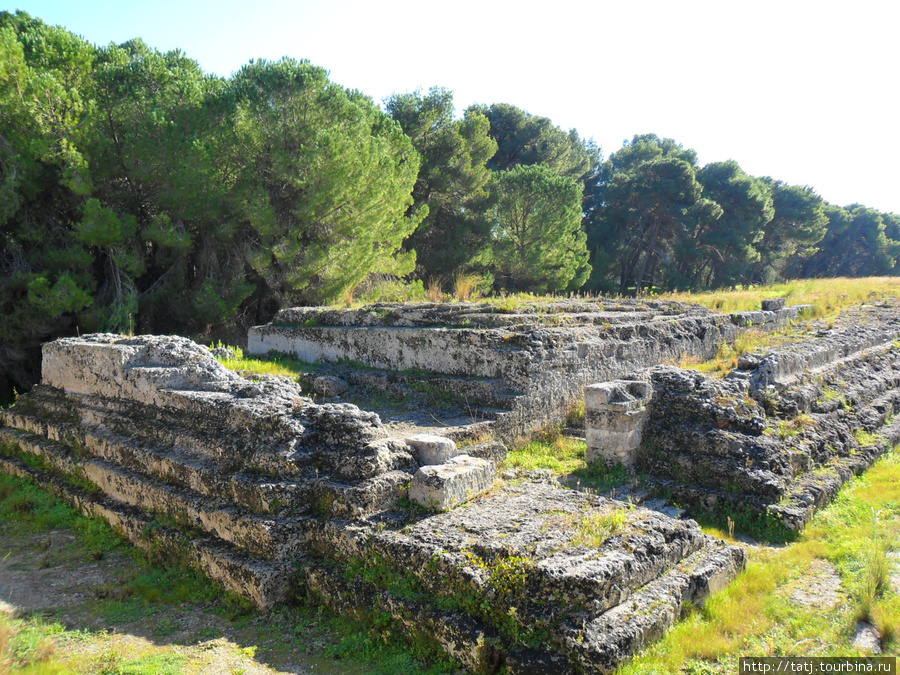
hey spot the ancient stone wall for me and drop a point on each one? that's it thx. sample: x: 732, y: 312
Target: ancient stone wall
x: 536, y: 358
x: 778, y: 436
x: 272, y: 494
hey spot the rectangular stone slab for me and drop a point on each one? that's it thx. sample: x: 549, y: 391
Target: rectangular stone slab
x: 443, y: 486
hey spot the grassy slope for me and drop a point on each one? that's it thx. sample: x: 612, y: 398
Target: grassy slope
x: 755, y: 615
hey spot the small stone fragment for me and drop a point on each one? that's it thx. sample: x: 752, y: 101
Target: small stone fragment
x: 223, y: 353
x: 443, y: 486
x: 432, y: 449
x: 867, y: 638
x: 819, y: 587
x: 329, y: 386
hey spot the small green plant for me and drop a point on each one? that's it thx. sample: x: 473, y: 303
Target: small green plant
x: 793, y: 427
x: 876, y: 572
x: 237, y: 351
x: 865, y: 438
x: 465, y: 286
x: 598, y: 526
x: 575, y: 412
x: 434, y: 290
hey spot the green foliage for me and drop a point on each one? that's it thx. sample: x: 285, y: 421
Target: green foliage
x: 720, y: 251
x: 527, y: 140
x: 451, y: 183
x: 326, y: 179
x: 538, y: 242
x: 856, y: 243
x: 651, y: 205
x: 798, y: 224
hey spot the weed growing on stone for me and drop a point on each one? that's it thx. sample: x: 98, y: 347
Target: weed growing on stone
x: 466, y: 286
x: 728, y: 355
x: 267, y: 365
x: 598, y: 526
x: 865, y: 438
x: 789, y: 428
x: 575, y: 412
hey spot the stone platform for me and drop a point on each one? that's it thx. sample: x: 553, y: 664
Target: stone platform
x: 521, y: 366
x: 273, y: 495
x: 778, y: 436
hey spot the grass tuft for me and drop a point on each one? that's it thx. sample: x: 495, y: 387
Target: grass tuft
x: 598, y: 526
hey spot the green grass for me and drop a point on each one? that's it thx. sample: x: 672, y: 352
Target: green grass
x: 728, y: 355
x: 755, y: 614
x: 270, y: 365
x: 598, y: 526
x: 152, y: 590
x: 548, y: 451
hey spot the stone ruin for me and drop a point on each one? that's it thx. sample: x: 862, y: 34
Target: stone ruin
x: 274, y: 495
x: 777, y: 437
x: 518, y: 368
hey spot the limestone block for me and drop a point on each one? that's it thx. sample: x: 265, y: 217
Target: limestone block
x: 492, y: 450
x: 432, y: 449
x: 329, y: 386
x: 443, y: 486
x: 615, y: 413
x: 773, y: 304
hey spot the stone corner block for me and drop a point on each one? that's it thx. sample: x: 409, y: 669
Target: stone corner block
x: 431, y: 449
x: 615, y: 413
x: 442, y: 486
x: 773, y: 304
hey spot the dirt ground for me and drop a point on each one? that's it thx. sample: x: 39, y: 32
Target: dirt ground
x: 52, y: 575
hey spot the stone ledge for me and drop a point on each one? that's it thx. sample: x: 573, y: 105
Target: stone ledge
x: 443, y: 486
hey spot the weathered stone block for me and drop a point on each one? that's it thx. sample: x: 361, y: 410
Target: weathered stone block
x: 329, y: 386
x: 443, y: 486
x: 615, y: 413
x: 773, y: 304
x: 492, y: 450
x: 432, y: 449
x: 539, y: 356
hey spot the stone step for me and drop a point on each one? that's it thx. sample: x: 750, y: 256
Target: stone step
x: 264, y: 582
x: 599, y: 645
x: 464, y: 638
x: 472, y: 392
x: 317, y: 453
x: 536, y: 521
x: 589, y: 641
x: 257, y: 494
x: 267, y: 537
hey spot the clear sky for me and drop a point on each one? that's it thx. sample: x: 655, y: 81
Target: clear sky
x: 803, y: 91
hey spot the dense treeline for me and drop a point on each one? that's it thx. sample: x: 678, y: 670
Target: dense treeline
x: 138, y: 193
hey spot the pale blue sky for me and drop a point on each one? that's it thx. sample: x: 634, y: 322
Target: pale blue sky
x: 804, y: 91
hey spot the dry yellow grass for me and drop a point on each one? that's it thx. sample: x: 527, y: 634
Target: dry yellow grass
x: 828, y: 296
